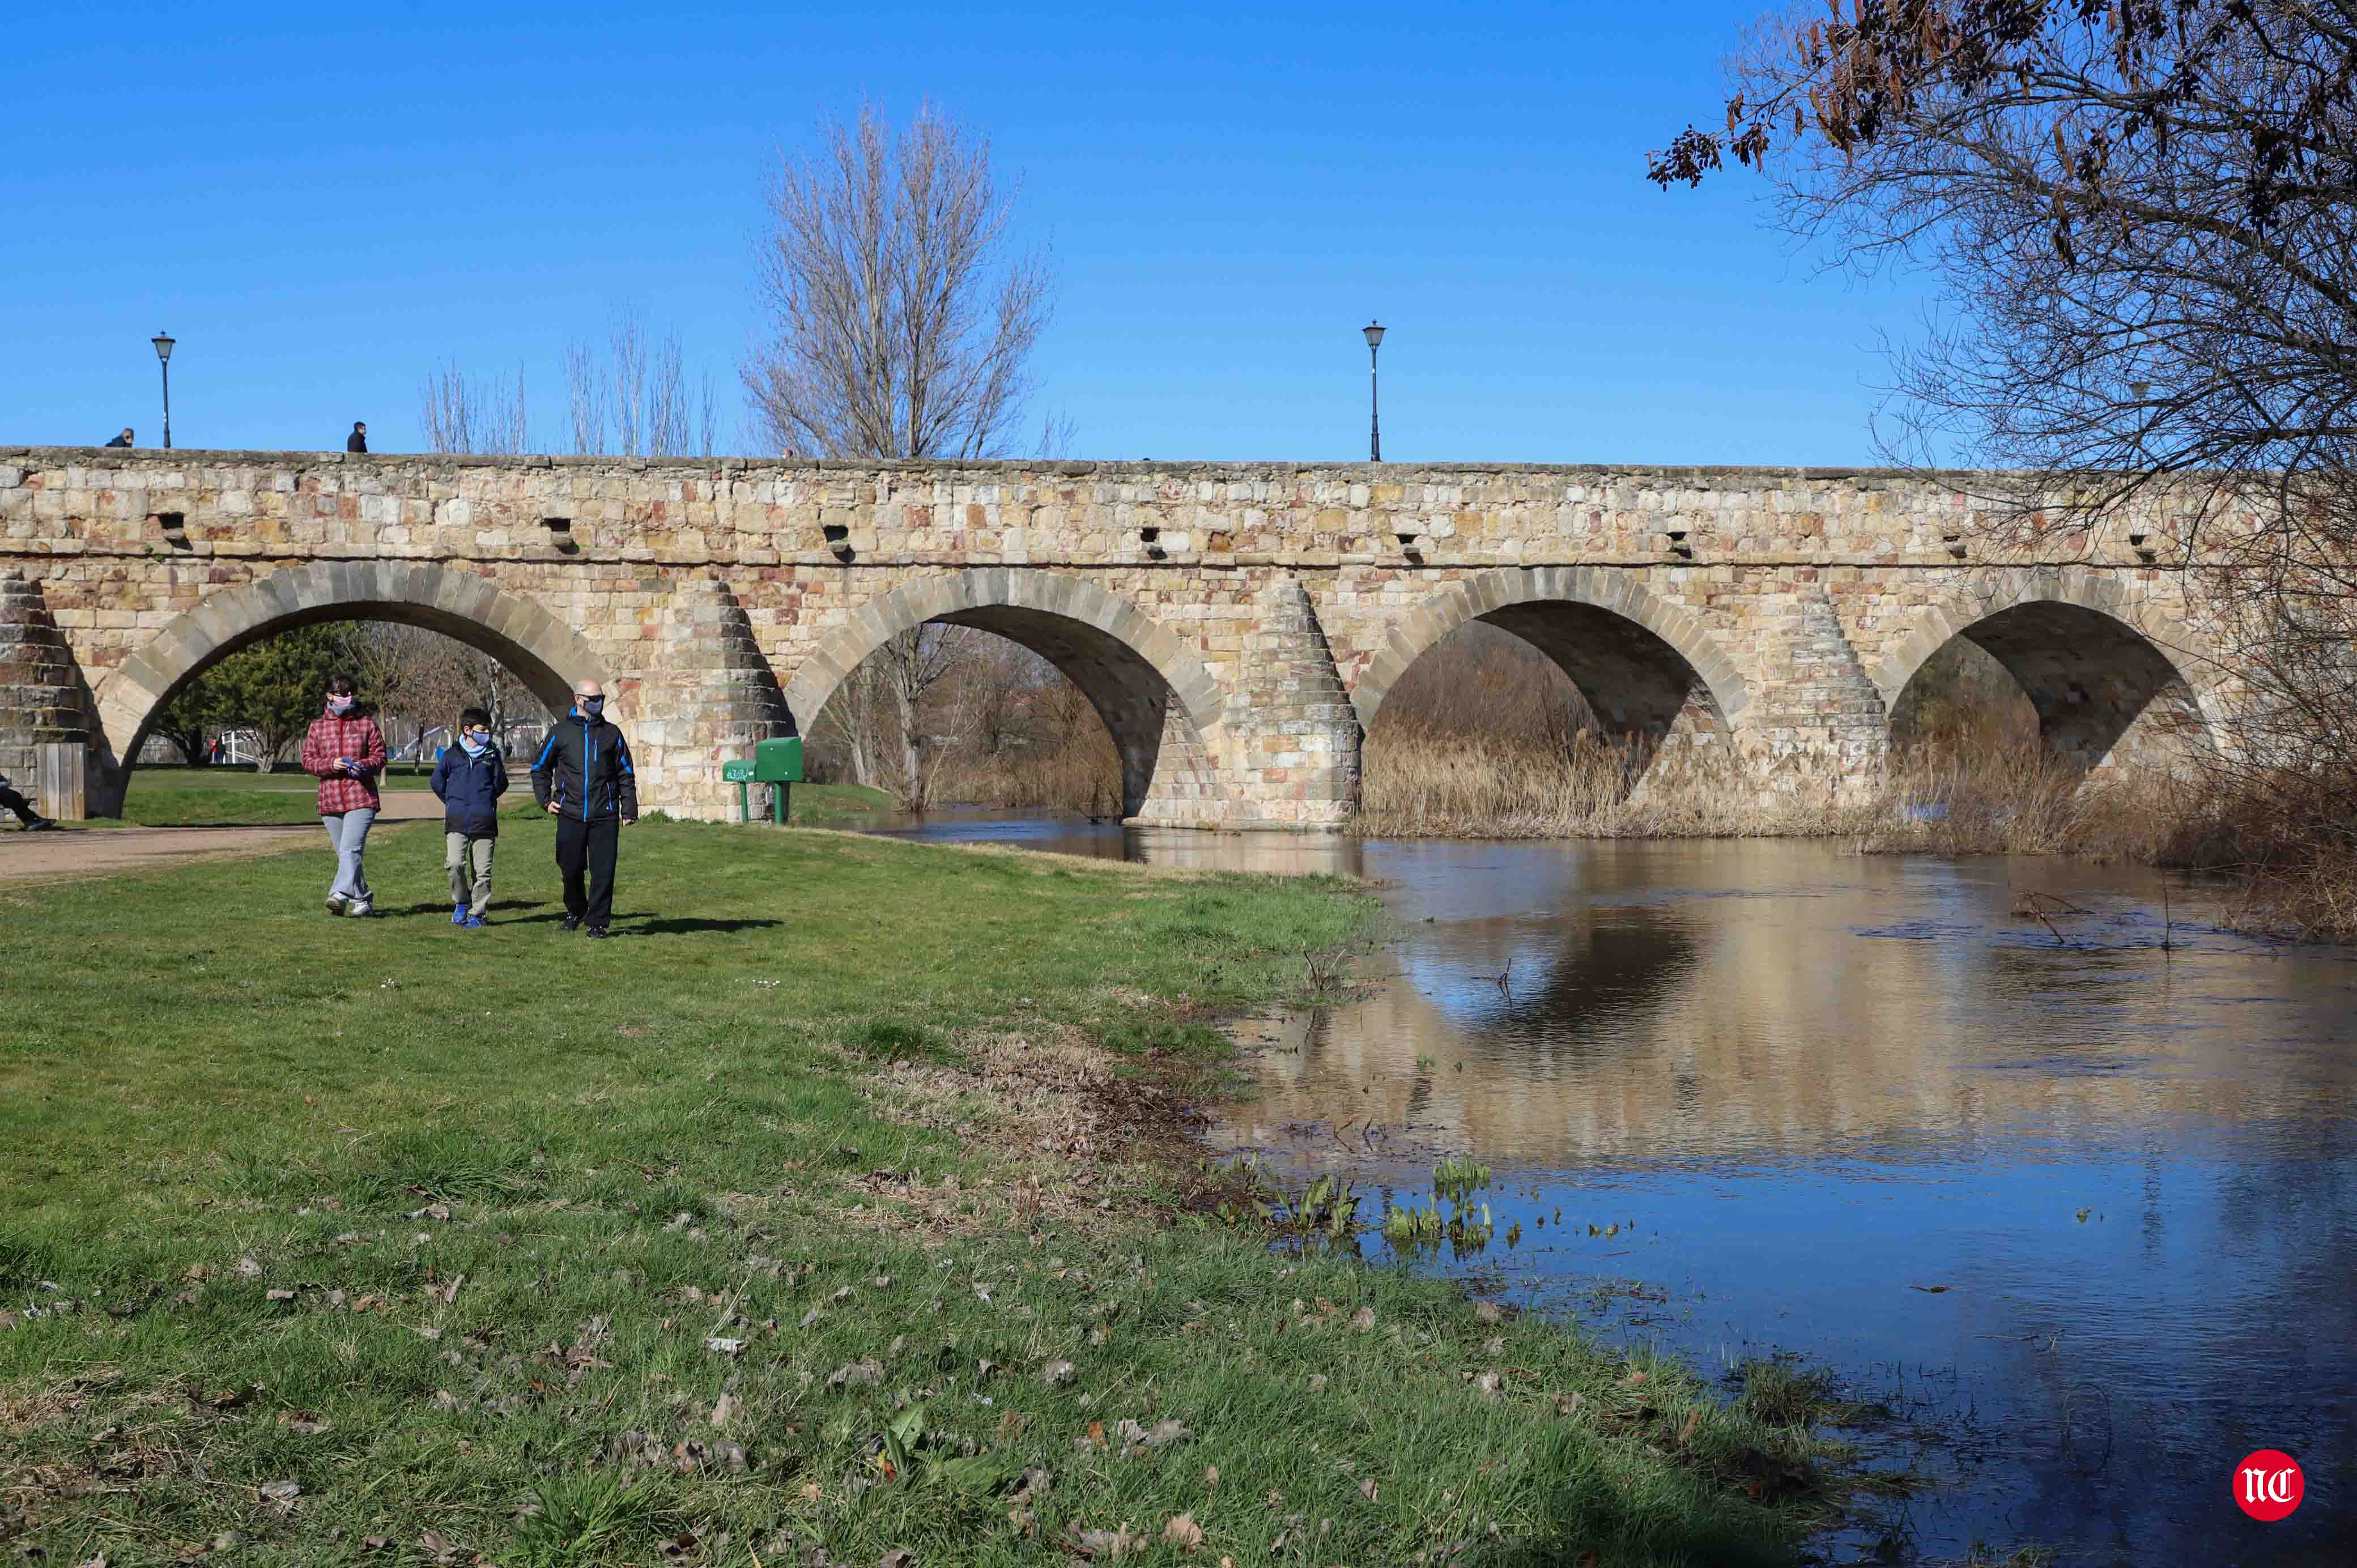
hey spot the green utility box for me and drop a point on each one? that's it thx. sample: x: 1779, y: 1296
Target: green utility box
x: 777, y: 763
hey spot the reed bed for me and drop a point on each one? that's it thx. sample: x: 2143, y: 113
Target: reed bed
x: 2288, y: 837
x: 2282, y: 840
x: 2010, y: 795
x: 1423, y: 781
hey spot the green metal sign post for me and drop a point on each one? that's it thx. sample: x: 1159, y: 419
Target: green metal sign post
x: 777, y: 762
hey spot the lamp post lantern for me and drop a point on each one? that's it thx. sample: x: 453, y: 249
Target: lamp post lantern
x: 1375, y: 404
x: 163, y: 342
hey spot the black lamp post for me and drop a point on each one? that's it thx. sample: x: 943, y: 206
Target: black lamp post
x: 1374, y: 407
x: 163, y: 342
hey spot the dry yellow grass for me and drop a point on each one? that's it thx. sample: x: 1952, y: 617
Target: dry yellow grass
x: 2012, y: 796
x: 1987, y: 795
x: 2288, y: 837
x: 1429, y: 783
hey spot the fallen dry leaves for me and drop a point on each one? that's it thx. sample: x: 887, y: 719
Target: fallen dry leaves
x: 1046, y: 1092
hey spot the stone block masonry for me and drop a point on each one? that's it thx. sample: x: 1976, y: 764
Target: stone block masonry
x: 1238, y: 626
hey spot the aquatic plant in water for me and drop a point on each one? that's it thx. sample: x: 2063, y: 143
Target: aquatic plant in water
x: 1325, y: 1209
x: 1464, y: 1227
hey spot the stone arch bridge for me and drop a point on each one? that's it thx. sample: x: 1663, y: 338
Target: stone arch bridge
x: 1236, y: 624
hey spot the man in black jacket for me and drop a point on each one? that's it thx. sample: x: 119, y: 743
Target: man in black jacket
x: 583, y: 779
x: 357, y: 440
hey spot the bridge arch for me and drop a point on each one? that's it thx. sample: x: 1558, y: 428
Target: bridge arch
x: 1163, y: 708
x: 1640, y: 660
x: 545, y: 654
x: 2098, y: 664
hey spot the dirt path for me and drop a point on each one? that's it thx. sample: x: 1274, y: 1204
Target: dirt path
x: 74, y: 852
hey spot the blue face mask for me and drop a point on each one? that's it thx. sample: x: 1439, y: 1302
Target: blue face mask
x: 592, y: 706
x: 474, y: 745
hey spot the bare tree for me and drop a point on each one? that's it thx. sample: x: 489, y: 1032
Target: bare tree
x: 637, y: 400
x: 420, y: 679
x: 851, y: 720
x: 2139, y: 215
x: 912, y: 664
x: 460, y: 413
x: 1056, y: 434
x: 900, y: 324
x: 997, y: 700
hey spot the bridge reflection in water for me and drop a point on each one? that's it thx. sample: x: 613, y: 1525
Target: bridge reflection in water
x: 1818, y: 1082
x: 1605, y: 1011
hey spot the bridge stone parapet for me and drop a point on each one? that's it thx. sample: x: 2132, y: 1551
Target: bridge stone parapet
x: 1236, y: 624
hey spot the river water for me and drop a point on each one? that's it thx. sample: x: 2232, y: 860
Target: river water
x: 2081, y: 1208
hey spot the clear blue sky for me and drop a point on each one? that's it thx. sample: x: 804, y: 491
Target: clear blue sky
x: 323, y: 202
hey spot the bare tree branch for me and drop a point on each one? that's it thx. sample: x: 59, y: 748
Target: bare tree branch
x: 900, y: 324
x: 636, y: 402
x: 2141, y: 219
x: 460, y: 413
x: 420, y: 679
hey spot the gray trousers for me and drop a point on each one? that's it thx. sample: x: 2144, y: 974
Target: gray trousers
x: 467, y: 858
x: 347, y: 832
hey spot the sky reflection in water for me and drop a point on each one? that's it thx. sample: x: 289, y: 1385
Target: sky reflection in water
x: 1816, y: 1081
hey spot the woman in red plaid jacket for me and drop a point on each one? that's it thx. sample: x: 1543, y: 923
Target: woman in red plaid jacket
x: 345, y: 751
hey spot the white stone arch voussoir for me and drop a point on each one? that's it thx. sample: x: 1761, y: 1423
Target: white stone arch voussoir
x: 1619, y: 592
x: 913, y: 604
x: 547, y: 655
x: 2083, y: 587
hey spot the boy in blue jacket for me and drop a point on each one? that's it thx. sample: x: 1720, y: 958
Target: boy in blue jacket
x: 469, y: 780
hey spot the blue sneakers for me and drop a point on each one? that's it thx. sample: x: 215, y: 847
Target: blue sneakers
x: 458, y: 916
x: 472, y: 922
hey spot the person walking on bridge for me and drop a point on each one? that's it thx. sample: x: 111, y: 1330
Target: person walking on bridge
x: 124, y: 439
x: 357, y: 440
x: 583, y: 779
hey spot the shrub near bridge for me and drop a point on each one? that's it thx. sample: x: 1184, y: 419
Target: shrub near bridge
x: 733, y: 1240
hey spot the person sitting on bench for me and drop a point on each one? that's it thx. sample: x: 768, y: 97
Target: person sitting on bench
x: 10, y: 801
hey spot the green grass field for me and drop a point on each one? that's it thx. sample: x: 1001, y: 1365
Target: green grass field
x: 239, y: 797
x: 796, y: 1223
x: 832, y: 805
x: 171, y: 796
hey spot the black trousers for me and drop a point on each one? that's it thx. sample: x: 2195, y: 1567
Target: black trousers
x: 584, y: 852
x: 12, y: 802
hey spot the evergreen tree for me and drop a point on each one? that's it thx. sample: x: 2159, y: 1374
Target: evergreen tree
x: 277, y: 687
